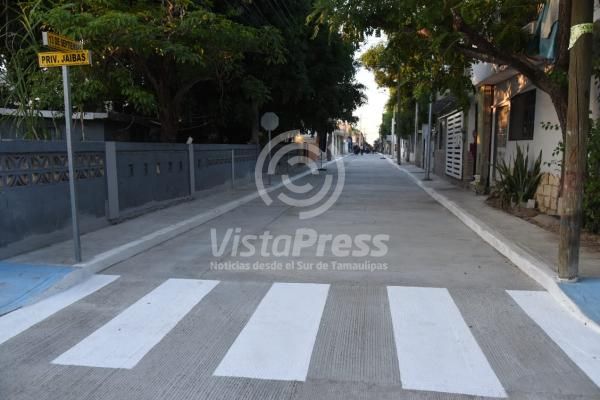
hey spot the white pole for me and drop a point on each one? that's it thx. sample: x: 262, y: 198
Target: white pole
x: 269, y: 164
x: 393, y: 133
x: 416, y: 131
x: 428, y: 143
x: 71, y: 163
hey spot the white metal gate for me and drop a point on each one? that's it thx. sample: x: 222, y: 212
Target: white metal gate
x: 454, y: 145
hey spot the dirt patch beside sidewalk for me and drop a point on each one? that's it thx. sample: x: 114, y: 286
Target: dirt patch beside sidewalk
x: 550, y: 223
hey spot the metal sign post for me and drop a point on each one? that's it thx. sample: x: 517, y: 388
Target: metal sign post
x: 72, y: 177
x: 269, y: 164
x: 68, y: 52
x: 232, y: 168
x: 428, y: 143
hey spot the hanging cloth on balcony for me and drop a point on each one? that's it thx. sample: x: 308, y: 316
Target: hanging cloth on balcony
x: 546, y: 29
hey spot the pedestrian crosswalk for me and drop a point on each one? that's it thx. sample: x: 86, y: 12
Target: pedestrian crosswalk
x: 580, y: 343
x: 431, y: 335
x: 278, y: 340
x: 436, y: 349
x: 24, y: 318
x: 126, y: 339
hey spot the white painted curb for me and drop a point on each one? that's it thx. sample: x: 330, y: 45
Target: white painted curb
x: 535, y: 268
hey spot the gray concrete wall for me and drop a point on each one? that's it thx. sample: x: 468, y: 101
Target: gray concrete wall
x: 116, y: 180
x: 34, y: 189
x: 212, y: 163
x: 151, y: 172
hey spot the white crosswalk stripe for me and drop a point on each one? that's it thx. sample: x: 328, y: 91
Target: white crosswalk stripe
x: 436, y: 350
x: 128, y: 337
x: 578, y: 341
x: 24, y: 318
x: 278, y: 340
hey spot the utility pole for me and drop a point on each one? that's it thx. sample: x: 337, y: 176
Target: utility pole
x: 580, y: 69
x: 397, y: 122
x: 393, y: 133
x: 428, y: 142
x: 398, y: 141
x: 416, y: 130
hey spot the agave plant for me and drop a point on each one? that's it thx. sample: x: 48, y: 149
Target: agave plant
x: 517, y: 183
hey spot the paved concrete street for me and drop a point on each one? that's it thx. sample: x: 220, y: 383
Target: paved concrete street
x: 434, y: 313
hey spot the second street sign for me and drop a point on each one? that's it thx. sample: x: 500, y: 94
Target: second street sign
x: 58, y: 59
x: 58, y: 42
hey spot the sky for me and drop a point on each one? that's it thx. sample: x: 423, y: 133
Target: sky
x: 370, y: 113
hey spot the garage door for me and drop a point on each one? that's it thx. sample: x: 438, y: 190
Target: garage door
x: 454, y: 145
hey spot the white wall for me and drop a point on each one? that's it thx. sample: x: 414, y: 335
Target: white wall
x: 544, y: 140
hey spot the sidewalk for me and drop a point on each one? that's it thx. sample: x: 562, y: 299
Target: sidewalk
x: 107, y: 238
x: 32, y: 276
x: 530, y: 247
x: 42, y: 273
x: 20, y: 282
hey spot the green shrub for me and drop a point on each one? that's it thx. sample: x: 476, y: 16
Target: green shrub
x: 591, y: 191
x: 517, y: 183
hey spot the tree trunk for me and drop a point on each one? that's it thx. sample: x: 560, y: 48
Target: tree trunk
x: 484, y: 128
x: 255, y: 120
x: 559, y: 97
x: 168, y: 121
x: 416, y: 131
x: 580, y: 68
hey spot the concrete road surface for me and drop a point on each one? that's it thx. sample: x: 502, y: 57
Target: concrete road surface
x: 385, y: 295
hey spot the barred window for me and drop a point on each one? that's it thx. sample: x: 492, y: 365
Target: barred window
x: 522, y: 116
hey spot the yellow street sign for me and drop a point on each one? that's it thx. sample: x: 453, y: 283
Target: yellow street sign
x: 58, y: 42
x: 58, y: 59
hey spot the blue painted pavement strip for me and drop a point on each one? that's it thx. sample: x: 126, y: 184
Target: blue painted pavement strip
x: 19, y: 283
x: 586, y: 293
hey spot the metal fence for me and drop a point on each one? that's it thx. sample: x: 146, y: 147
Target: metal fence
x: 114, y: 180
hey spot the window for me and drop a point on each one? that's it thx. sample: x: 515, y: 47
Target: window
x: 500, y: 138
x: 522, y: 116
x: 501, y: 125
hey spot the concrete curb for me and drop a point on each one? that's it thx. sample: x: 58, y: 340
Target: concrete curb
x: 121, y: 253
x: 536, y: 269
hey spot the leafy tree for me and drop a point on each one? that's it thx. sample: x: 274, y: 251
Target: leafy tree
x: 156, y: 52
x: 204, y: 69
x: 439, y: 39
x: 147, y: 55
x: 22, y: 86
x: 315, y: 86
x: 385, y: 128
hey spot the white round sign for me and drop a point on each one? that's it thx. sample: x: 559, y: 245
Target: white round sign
x: 269, y: 121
